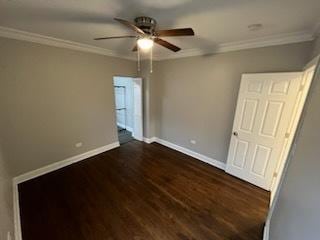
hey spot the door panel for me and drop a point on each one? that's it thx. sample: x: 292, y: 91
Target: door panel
x: 255, y: 86
x: 279, y: 87
x: 271, y: 118
x: 260, y: 160
x: 240, y: 153
x: 264, y: 109
x: 248, y: 114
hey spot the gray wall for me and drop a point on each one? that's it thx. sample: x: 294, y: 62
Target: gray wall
x: 196, y: 97
x: 150, y: 98
x: 52, y: 98
x: 297, y: 211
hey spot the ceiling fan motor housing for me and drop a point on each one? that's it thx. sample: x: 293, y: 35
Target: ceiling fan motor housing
x: 145, y: 30
x: 147, y: 24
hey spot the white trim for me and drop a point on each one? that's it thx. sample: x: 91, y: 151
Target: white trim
x: 149, y: 140
x: 16, y: 212
x: 312, y: 64
x: 137, y: 90
x: 187, y: 151
x: 191, y: 153
x: 56, y: 42
x: 281, y: 39
x: 57, y: 165
x: 306, y: 81
x: 44, y: 170
x: 130, y: 129
x: 266, y: 230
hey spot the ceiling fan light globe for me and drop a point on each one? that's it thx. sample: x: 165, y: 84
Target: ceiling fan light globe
x: 145, y: 43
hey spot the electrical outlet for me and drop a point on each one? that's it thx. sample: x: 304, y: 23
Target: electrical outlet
x: 193, y: 142
x: 79, y: 144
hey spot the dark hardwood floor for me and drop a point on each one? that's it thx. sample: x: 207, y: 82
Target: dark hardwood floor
x: 141, y: 192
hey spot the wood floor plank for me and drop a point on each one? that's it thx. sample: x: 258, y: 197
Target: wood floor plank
x: 141, y: 192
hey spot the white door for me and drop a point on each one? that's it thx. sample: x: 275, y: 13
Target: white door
x: 137, y: 109
x: 264, y: 109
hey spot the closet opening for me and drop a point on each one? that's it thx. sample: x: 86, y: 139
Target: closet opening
x: 128, y: 108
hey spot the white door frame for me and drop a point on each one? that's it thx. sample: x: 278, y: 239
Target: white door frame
x: 299, y: 104
x: 137, y: 128
x: 313, y: 63
x: 137, y: 132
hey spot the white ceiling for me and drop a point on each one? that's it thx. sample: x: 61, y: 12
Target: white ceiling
x: 214, y: 21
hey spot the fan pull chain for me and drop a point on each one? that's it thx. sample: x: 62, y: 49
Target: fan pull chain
x: 138, y: 49
x: 151, y: 56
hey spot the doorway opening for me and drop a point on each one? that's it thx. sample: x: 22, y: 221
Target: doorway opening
x: 128, y: 108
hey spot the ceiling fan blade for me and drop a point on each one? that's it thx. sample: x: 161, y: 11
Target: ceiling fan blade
x: 167, y: 44
x: 130, y: 25
x: 175, y: 32
x: 116, y: 37
x: 135, y: 48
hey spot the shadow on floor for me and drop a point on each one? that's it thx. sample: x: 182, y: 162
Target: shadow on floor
x: 124, y: 135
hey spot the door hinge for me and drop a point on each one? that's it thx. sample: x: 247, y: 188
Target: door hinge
x: 275, y: 174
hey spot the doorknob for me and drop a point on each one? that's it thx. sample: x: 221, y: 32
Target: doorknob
x: 235, y: 133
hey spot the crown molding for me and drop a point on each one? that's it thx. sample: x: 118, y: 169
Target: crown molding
x: 56, y: 42
x: 282, y: 39
x: 267, y: 41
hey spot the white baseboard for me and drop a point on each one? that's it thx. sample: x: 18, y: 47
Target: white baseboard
x: 41, y: 171
x: 266, y: 230
x: 80, y: 157
x: 149, y: 140
x: 191, y: 153
x: 57, y: 165
x: 130, y: 129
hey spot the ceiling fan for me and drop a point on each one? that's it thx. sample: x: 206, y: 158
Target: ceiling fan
x: 146, y: 34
